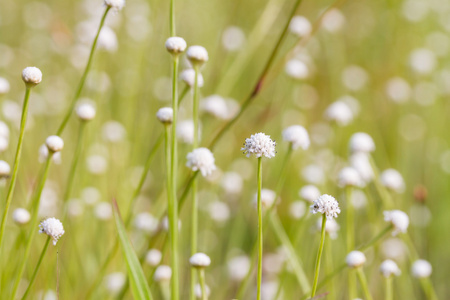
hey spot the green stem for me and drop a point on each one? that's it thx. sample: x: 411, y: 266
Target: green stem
x: 172, y: 18
x: 428, y: 288
x: 33, y: 225
x: 350, y: 240
x: 363, y: 281
x: 33, y: 277
x: 389, y: 288
x: 83, y: 77
x: 12, y: 184
x: 319, y: 255
x: 203, y: 284
x: 260, y: 229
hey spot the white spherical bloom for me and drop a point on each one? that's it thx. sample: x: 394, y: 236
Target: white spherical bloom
x: 85, y: 111
x: 327, y: 205
x: 4, y: 130
x: 267, y: 198
x: 219, y: 211
x: 198, y: 291
x: 103, y: 211
x: 389, y: 268
x: 361, y: 142
x: 309, y: 193
x: 5, y: 169
x: 398, y: 90
x: 32, y: 76
x: 53, y: 228
x: 348, y: 176
x: 185, y: 131
x: 259, y: 144
x: 297, y: 69
x: 21, y: 216
x: 115, y: 4
x: 201, y: 159
x: 197, y: 55
x: 54, y: 143
x: 153, y: 257
x: 297, y: 209
x: 398, y: 219
x: 165, y: 115
x: 394, y: 248
x: 297, y: 136
x: 107, y: 40
x: 232, y: 183
x: 216, y: 106
x: 4, y: 86
x: 188, y: 77
x: 233, y: 38
x: 145, y: 222
x: 175, y: 45
x: 200, y: 260
x: 360, y: 161
x: 355, y: 78
x: 162, y: 273
x: 423, y: 61
x: 238, y: 267
x: 333, y: 20
x: 339, y: 112
x: 393, y: 180
x: 331, y: 227
x: 300, y: 26
x: 114, y: 282
x: 355, y: 259
x: 113, y: 131
x: 421, y: 269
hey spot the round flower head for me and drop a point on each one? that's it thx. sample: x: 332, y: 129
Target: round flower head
x: 4, y: 86
x: 393, y: 180
x: 200, y: 260
x: 389, y: 268
x: 340, y: 113
x: 185, y: 131
x: 355, y: 259
x: 331, y: 227
x: 188, y: 77
x: 350, y: 177
x: 201, y: 159
x: 175, y: 45
x: 162, y: 273
x: 297, y: 69
x: 421, y: 269
x: 53, y: 228
x: 165, y: 115
x: 153, y: 257
x: 300, y: 26
x: 297, y: 136
x: 267, y: 198
x: 309, y: 192
x: 216, y: 106
x: 327, y: 205
x: 21, y: 216
x: 54, y: 143
x: 361, y: 142
x: 197, y: 55
x: 85, y: 112
x: 238, y: 267
x: 398, y: 219
x: 32, y: 76
x: 115, y: 281
x: 145, y: 222
x: 5, y: 169
x: 259, y: 144
x: 115, y: 4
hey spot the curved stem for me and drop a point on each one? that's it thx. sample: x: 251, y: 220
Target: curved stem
x: 319, y: 255
x: 260, y: 230
x: 363, y: 281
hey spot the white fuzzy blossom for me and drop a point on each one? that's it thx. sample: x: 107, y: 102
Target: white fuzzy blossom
x: 297, y: 69
x: 361, y: 142
x: 238, y: 267
x: 53, y: 228
x: 300, y: 26
x: 421, y: 269
x: 188, y: 77
x: 21, y: 216
x: 85, y: 111
x: 185, y: 131
x: 398, y: 219
x: 389, y: 268
x: 355, y: 259
x: 162, y: 273
x: 216, y: 106
x: 200, y: 260
x: 259, y: 144
x: 197, y: 55
x: 393, y: 180
x: 339, y: 112
x: 201, y: 159
x: 175, y: 45
x: 165, y: 115
x: 398, y: 90
x: 54, y: 143
x: 145, y: 222
x: 32, y: 76
x: 327, y: 205
x: 115, y: 4
x: 5, y: 169
x: 360, y: 161
x: 348, y: 176
x: 309, y: 192
x: 153, y: 257
x: 267, y: 198
x: 297, y: 136
x: 115, y: 281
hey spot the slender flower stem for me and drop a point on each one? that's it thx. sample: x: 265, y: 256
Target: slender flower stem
x: 319, y: 255
x: 201, y: 272
x: 428, y: 288
x: 83, y: 77
x: 363, y: 281
x: 260, y: 230
x: 350, y: 240
x: 12, y: 184
x: 33, y: 277
x: 389, y: 293
x: 33, y: 225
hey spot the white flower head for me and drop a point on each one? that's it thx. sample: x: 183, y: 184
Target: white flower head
x: 267, y: 198
x: 188, y: 77
x: 297, y: 136
x: 21, y: 216
x: 259, y: 144
x: 339, y: 112
x: 216, y: 106
x: 4, y: 86
x: 53, y: 228
x: 145, y: 222
x: 360, y: 161
x: 398, y: 219
x: 162, y: 273
x: 333, y: 20
x: 200, y: 260
x: 185, y: 131
x: 115, y: 4
x: 85, y: 111
x: 423, y: 61
x: 300, y: 26
x: 361, y: 142
x: 197, y: 55
x: 389, y: 268
x: 238, y: 267
x: 175, y: 45
x: 398, y: 90
x: 297, y: 69
x: 153, y: 257
x: 233, y: 38
x: 165, y: 115
x: 5, y: 169
x: 54, y: 143
x: 331, y: 227
x: 114, y: 282
x: 348, y: 176
x: 393, y: 180
x: 201, y: 159
x: 32, y: 76
x: 421, y: 269
x: 309, y: 193
x: 355, y: 259
x: 327, y: 205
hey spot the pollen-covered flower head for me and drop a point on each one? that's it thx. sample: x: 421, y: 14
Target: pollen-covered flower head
x: 361, y: 142
x: 398, y: 219
x: 165, y: 115
x: 389, y: 268
x: 201, y: 159
x: 162, y: 273
x: 327, y: 205
x: 200, y: 260
x: 259, y: 144
x: 355, y: 259
x: 297, y: 136
x: 175, y: 45
x: 421, y: 268
x: 32, y: 76
x: 54, y: 143
x: 53, y: 228
x: 115, y: 4
x: 197, y: 55
x: 85, y: 111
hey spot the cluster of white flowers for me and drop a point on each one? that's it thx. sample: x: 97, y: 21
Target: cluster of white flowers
x: 327, y: 205
x: 398, y: 219
x: 297, y: 136
x: 259, y: 144
x: 115, y: 4
x: 53, y: 228
x: 201, y: 159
